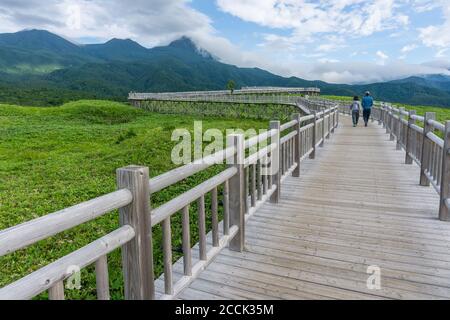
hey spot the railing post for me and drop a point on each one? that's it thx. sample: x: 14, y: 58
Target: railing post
x: 323, y: 128
x: 380, y: 115
x: 275, y: 165
x: 312, y: 155
x: 399, y: 128
x: 388, y: 119
x: 334, y: 121
x: 236, y: 191
x: 137, y: 254
x: 409, y: 137
x: 445, y: 178
x: 424, y: 163
x: 329, y: 124
x: 392, y: 124
x: 383, y: 115
x: 337, y: 117
x: 297, y: 144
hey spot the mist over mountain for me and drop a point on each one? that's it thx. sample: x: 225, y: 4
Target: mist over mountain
x: 38, y: 67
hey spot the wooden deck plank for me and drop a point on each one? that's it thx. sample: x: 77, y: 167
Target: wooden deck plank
x: 356, y: 205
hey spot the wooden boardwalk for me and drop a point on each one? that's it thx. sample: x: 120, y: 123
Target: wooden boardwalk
x: 357, y: 205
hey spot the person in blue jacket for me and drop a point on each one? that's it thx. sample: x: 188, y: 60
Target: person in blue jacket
x: 367, y: 104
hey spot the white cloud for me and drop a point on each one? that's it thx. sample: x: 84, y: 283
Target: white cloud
x: 382, y: 57
x: 327, y: 60
x: 442, y: 53
x: 332, y: 43
x: 425, y: 5
x: 437, y: 35
x: 365, y: 72
x: 148, y: 22
x: 305, y: 18
x: 408, y: 48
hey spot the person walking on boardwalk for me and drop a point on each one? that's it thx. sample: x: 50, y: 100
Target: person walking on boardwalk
x: 356, y: 109
x: 367, y: 104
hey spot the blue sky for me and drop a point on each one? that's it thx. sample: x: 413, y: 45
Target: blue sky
x: 349, y: 41
x: 395, y: 38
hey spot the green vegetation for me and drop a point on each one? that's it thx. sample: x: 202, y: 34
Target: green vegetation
x: 231, y: 85
x: 337, y: 98
x: 52, y: 158
x: 40, y: 94
x: 257, y: 111
x: 442, y: 114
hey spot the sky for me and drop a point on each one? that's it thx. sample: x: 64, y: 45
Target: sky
x: 339, y: 41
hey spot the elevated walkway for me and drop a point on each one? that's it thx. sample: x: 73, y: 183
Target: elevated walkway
x: 357, y: 206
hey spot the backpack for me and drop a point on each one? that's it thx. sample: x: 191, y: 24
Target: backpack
x: 355, y: 106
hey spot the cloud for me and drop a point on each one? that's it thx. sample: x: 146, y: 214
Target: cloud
x: 364, y: 72
x: 382, y: 57
x: 442, y: 53
x: 306, y: 18
x: 425, y: 5
x: 326, y: 60
x: 149, y: 22
x: 312, y: 30
x: 408, y: 48
x: 437, y: 35
x: 332, y: 43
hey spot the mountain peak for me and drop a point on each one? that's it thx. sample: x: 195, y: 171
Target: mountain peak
x: 186, y: 43
x: 123, y: 43
x: 35, y: 39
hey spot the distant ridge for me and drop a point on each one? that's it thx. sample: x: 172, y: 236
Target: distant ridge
x: 37, y: 61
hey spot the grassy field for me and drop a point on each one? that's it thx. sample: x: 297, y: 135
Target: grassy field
x: 52, y: 158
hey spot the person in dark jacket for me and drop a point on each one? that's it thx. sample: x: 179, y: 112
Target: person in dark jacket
x: 367, y: 104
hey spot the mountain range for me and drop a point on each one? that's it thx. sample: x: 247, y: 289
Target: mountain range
x: 40, y: 68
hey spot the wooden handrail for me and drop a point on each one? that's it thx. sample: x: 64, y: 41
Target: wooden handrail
x: 27, y: 233
x: 422, y: 146
x: 44, y: 278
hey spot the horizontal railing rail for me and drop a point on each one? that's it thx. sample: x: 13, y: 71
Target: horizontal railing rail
x: 255, y: 168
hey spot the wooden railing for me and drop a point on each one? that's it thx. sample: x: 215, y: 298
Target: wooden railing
x: 244, y: 187
x: 425, y: 142
x: 246, y: 93
x: 235, y: 98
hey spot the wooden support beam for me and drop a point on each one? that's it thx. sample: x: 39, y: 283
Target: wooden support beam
x: 445, y: 178
x: 102, y: 278
x: 322, y: 143
x: 426, y: 148
x: 410, y: 141
x: 312, y: 155
x: 137, y: 254
x: 277, y: 159
x: 236, y: 192
x: 392, y: 123
x: 400, y: 129
x: 57, y: 291
x: 297, y: 145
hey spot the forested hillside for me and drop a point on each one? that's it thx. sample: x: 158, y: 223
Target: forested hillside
x: 41, y: 68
